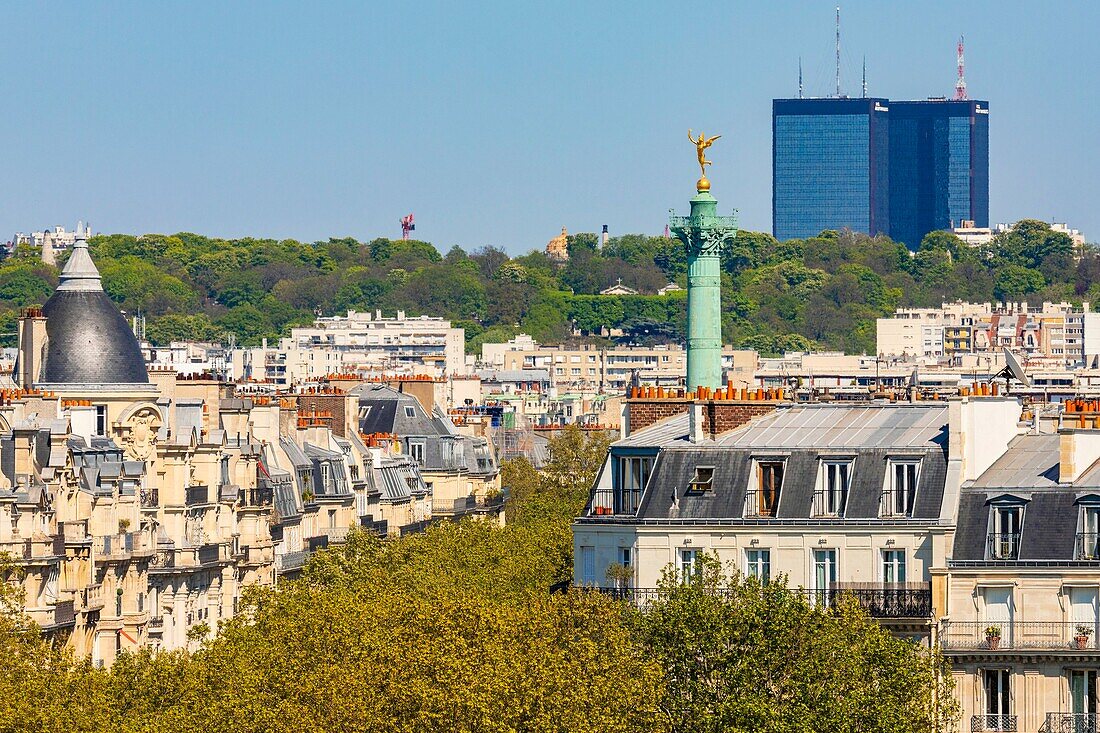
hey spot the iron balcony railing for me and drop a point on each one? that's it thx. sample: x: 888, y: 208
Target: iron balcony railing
x: 830, y: 503
x: 259, y: 496
x: 879, y: 600
x: 1069, y: 723
x: 1015, y: 635
x: 64, y: 613
x: 609, y: 501
x: 1004, y: 545
x: 1088, y: 546
x: 197, y: 495
x: 993, y: 722
x: 761, y: 503
x: 291, y: 560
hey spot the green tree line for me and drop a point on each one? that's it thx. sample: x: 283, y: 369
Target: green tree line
x: 821, y: 292
x: 455, y: 630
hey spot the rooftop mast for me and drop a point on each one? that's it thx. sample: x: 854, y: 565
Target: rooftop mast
x: 865, y: 77
x: 960, y: 85
x: 838, y: 50
x: 800, y: 77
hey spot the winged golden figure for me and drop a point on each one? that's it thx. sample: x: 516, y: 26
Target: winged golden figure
x: 701, y: 144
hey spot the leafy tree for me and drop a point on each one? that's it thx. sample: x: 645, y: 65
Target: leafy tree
x: 1015, y: 281
x: 739, y: 655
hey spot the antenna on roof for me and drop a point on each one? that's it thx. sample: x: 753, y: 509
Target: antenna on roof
x: 838, y: 50
x: 865, y: 76
x: 800, y: 77
x: 960, y: 85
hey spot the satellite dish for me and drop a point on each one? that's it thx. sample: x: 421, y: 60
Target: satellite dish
x: 1015, y: 369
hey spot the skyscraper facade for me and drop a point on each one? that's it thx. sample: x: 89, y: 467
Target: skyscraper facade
x: 878, y: 167
x: 939, y: 167
x: 829, y: 166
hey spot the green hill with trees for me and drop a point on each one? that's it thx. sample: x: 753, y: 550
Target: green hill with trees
x: 822, y: 292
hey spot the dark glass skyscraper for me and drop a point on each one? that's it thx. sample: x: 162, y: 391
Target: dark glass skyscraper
x: 876, y: 166
x: 829, y: 166
x: 939, y: 167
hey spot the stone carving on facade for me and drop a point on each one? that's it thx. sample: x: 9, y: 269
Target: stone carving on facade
x: 139, y: 433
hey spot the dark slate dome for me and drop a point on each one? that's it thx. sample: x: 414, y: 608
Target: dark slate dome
x: 87, y: 339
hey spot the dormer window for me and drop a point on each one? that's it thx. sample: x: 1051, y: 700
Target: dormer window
x: 703, y: 479
x: 1088, y: 536
x: 900, y: 492
x: 410, y: 411
x: 834, y: 480
x: 1004, y: 535
x: 763, y: 496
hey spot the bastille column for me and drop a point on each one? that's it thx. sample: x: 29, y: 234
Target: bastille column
x: 704, y: 234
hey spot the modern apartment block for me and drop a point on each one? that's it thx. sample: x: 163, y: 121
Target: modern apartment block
x: 1057, y: 335
x: 609, y: 368
x: 357, y: 342
x: 879, y: 166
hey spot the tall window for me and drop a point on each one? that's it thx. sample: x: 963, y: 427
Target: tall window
x: 416, y: 450
x: 689, y: 564
x: 1088, y: 539
x: 101, y: 420
x: 631, y: 476
x: 588, y: 565
x: 832, y: 494
x: 1082, y: 698
x: 764, y: 502
x: 1004, y: 540
x: 893, y: 566
x: 758, y: 564
x: 901, y: 488
x: 824, y: 578
x: 998, y: 700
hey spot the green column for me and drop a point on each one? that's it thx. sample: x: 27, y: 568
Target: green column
x: 704, y: 233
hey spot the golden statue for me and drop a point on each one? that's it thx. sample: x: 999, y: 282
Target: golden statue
x: 701, y: 145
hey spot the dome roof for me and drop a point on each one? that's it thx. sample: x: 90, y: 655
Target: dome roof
x: 88, y: 340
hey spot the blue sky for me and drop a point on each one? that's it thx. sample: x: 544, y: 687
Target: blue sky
x: 496, y: 123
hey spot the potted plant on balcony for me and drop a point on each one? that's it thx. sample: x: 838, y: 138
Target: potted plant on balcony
x: 1081, y: 636
x: 993, y: 636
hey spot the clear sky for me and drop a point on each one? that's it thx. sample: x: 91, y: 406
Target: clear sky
x: 496, y: 123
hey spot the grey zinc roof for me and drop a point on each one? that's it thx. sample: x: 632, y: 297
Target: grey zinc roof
x: 833, y: 426
x: 1031, y: 462
x: 848, y: 427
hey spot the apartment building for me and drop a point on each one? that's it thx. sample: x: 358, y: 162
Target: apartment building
x: 596, y: 368
x: 357, y: 342
x: 1056, y: 335
x: 961, y: 522
x: 139, y: 503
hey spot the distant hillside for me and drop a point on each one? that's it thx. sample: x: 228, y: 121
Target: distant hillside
x: 824, y: 292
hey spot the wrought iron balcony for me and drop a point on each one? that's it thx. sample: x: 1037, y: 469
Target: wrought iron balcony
x: 610, y: 502
x: 879, y: 600
x: 1070, y: 723
x: 993, y: 722
x: 1004, y: 545
x: 1018, y: 635
x: 197, y: 495
x: 1087, y: 546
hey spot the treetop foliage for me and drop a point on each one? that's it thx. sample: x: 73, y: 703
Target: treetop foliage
x: 821, y: 292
